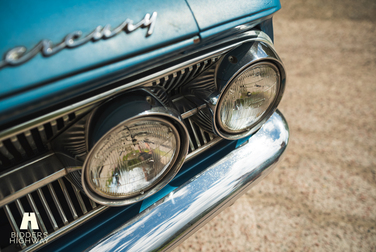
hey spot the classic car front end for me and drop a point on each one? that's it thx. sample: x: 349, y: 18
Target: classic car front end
x: 127, y: 126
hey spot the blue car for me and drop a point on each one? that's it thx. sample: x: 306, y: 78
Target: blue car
x: 129, y: 125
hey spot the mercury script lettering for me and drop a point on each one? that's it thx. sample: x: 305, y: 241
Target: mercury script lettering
x: 20, y: 54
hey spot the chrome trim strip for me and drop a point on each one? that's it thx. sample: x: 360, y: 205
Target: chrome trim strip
x: 212, y: 142
x: 192, y: 111
x: 251, y: 35
x: 172, y: 219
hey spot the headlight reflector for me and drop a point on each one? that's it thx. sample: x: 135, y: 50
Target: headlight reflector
x: 248, y: 97
x: 132, y: 157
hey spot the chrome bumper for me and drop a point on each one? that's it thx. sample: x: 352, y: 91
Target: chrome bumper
x: 175, y: 217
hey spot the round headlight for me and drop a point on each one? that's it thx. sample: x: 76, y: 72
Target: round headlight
x: 131, y: 158
x: 137, y: 145
x: 248, y: 97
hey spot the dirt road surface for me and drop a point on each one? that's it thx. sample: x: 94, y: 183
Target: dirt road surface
x: 322, y: 196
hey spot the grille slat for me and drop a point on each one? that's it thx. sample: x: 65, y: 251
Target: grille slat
x: 203, y: 136
x: 43, y: 134
x: 31, y: 141
x: 188, y: 73
x: 47, y: 209
x: 92, y: 203
x: 178, y: 81
x: 29, y: 203
x: 57, y: 204
x: 36, y: 211
x: 14, y: 225
x: 194, y: 133
x: 14, y: 140
x: 80, y: 200
x: 68, y: 199
x: 54, y: 127
x: 5, y: 152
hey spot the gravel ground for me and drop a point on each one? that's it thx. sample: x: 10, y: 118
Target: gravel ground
x: 322, y: 196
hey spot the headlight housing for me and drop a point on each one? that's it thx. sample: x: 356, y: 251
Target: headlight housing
x: 248, y: 85
x: 248, y: 97
x: 132, y: 157
x: 137, y: 145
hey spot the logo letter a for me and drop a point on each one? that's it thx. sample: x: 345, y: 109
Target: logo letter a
x: 25, y: 221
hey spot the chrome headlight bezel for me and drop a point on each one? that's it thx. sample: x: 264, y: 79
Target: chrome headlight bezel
x: 259, y: 50
x: 158, y: 112
x: 274, y: 63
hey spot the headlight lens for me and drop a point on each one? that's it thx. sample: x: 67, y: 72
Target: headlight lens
x: 248, y: 97
x: 132, y: 157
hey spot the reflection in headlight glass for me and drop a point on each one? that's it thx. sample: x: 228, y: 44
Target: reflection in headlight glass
x: 132, y: 158
x: 248, y: 97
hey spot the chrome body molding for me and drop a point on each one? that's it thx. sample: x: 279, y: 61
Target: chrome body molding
x: 172, y: 219
x: 19, y: 54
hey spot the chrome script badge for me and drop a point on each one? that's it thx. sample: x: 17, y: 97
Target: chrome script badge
x: 20, y: 54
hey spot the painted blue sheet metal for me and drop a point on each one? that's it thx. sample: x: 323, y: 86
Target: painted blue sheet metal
x: 211, y: 13
x: 25, y: 23
x: 42, y: 97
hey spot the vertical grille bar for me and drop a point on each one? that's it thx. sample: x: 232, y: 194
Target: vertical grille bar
x: 186, y: 77
x: 178, y: 81
x: 172, y: 82
x: 5, y: 152
x: 194, y: 133
x: 36, y: 211
x: 195, y: 70
x: 13, y: 223
x: 92, y: 203
x: 57, y: 204
x: 68, y: 199
x: 65, y: 120
x: 54, y: 127
x: 191, y: 146
x: 18, y: 146
x: 203, y: 136
x: 42, y: 133
x: 31, y: 141
x: 79, y: 198
x: 47, y: 209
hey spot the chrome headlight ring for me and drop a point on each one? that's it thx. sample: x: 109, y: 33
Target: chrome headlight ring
x: 256, y: 53
x: 107, y: 127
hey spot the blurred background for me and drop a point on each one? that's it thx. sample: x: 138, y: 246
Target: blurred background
x: 322, y: 196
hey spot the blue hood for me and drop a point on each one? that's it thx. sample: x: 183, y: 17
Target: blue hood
x: 42, y: 82
x: 26, y: 23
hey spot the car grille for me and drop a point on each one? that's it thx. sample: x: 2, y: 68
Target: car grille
x: 60, y: 205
